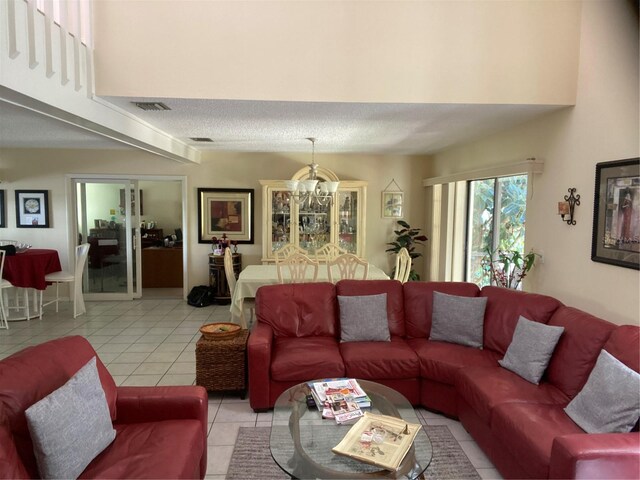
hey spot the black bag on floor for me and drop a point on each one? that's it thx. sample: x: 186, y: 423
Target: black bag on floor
x: 200, y: 296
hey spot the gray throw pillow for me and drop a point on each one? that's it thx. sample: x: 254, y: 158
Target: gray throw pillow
x: 458, y: 319
x: 364, y: 318
x: 71, y: 426
x: 609, y: 401
x: 531, y: 348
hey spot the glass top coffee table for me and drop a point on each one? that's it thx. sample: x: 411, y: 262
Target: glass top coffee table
x: 301, y: 440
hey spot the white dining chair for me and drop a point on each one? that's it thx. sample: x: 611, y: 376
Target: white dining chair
x: 403, y: 266
x: 300, y: 268
x: 329, y: 251
x: 73, y: 278
x: 230, y: 274
x: 349, y: 267
x: 4, y: 311
x: 288, y: 250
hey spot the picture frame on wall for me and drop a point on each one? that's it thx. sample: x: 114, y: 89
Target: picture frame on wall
x: 3, y: 215
x: 392, y: 203
x: 32, y: 209
x: 616, y: 214
x: 225, y: 211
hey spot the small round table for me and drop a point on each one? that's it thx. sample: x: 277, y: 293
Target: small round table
x: 26, y: 270
x: 301, y: 440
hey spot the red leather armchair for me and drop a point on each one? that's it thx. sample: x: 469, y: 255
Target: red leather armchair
x: 161, y: 432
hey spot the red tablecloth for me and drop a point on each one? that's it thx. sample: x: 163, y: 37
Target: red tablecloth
x: 27, y: 269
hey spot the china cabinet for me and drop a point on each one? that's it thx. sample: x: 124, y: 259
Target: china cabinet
x: 311, y: 226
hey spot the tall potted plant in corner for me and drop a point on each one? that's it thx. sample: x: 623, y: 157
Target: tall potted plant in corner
x: 407, y: 237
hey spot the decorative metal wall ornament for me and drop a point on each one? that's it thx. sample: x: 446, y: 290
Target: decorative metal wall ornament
x: 568, y: 206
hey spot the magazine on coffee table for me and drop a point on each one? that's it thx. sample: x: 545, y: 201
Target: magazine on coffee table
x: 379, y: 440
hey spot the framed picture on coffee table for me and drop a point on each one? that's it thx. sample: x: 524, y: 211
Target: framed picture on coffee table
x: 32, y: 209
x: 616, y: 214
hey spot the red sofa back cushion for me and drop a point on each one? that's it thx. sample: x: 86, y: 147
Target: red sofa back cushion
x: 504, y: 307
x: 418, y: 303
x: 395, y: 302
x: 299, y: 309
x: 578, y: 348
x: 33, y: 373
x: 624, y: 344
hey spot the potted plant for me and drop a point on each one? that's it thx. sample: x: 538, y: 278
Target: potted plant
x: 508, y: 267
x: 407, y: 237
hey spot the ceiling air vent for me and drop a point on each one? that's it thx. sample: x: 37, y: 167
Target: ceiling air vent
x: 151, y: 106
x: 201, y: 139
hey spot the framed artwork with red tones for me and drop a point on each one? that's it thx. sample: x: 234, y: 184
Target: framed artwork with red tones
x: 227, y: 211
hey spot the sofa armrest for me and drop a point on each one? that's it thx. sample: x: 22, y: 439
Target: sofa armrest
x: 155, y: 404
x: 596, y: 455
x: 259, y: 350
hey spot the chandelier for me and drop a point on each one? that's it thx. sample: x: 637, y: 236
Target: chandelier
x: 312, y: 191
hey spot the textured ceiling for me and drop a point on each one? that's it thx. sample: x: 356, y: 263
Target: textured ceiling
x: 253, y: 126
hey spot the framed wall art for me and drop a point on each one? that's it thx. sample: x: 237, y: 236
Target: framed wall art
x: 616, y: 214
x: 392, y: 201
x: 225, y: 211
x: 32, y: 209
x: 3, y: 212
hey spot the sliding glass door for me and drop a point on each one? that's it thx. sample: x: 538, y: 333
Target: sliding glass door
x: 496, y: 220
x: 107, y: 216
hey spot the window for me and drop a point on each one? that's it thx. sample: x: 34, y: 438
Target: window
x: 495, y: 220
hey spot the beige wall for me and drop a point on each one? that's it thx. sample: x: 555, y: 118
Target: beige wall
x: 46, y: 169
x: 473, y: 51
x: 603, y: 126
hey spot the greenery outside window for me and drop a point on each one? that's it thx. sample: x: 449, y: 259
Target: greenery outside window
x: 495, y: 221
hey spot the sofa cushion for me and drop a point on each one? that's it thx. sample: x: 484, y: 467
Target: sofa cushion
x: 441, y: 361
x: 167, y: 449
x: 25, y: 378
x: 484, y: 388
x: 395, y: 302
x: 610, y: 400
x: 363, y: 318
x: 527, y: 432
x: 504, y: 308
x: 300, y: 359
x: 71, y: 426
x: 531, y: 348
x: 418, y: 303
x: 380, y: 360
x: 624, y: 344
x: 576, y: 353
x: 457, y: 319
x: 299, y: 309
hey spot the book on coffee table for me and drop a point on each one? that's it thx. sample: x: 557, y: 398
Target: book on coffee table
x: 379, y: 440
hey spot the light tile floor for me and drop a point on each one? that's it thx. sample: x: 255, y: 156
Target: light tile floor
x: 152, y: 342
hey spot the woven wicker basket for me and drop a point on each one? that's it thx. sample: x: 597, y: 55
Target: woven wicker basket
x: 219, y: 331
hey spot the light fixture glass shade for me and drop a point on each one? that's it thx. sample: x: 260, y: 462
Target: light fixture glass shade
x: 309, y: 185
x: 332, y: 187
x: 291, y: 185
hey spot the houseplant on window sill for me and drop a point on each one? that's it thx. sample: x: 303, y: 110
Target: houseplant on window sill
x: 508, y: 267
x: 408, y: 237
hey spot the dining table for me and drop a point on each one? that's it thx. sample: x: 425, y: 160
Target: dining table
x: 26, y: 271
x: 253, y: 277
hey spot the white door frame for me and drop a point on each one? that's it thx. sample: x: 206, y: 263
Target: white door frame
x: 72, y: 232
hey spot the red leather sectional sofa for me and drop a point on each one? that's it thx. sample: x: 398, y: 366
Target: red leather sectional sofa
x: 161, y: 431
x: 522, y: 427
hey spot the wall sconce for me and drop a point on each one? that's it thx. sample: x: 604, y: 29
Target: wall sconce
x: 568, y: 206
